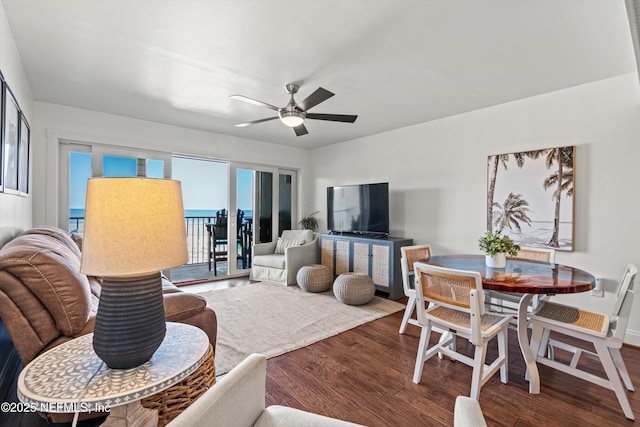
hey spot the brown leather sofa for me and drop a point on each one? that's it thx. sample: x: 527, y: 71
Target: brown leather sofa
x: 45, y: 300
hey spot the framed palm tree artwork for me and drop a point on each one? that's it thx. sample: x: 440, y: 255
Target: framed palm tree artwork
x: 530, y: 197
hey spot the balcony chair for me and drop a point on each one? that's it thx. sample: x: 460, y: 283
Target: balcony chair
x: 410, y: 254
x: 280, y: 261
x: 605, y: 332
x: 218, y: 240
x: 456, y: 305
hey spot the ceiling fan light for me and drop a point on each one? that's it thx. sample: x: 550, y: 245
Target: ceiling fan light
x: 291, y: 118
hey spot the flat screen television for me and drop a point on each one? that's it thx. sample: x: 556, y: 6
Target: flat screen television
x: 359, y: 209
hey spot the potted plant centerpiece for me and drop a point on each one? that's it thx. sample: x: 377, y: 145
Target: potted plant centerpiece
x: 309, y: 222
x: 496, y: 248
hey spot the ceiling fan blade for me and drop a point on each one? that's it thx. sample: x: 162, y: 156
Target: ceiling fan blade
x: 300, y: 130
x: 346, y: 118
x: 254, y: 102
x: 320, y: 95
x: 241, y: 125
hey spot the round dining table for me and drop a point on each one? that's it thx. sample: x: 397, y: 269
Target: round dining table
x: 525, y: 277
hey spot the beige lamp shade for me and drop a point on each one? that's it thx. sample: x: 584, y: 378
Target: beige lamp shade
x: 133, y: 226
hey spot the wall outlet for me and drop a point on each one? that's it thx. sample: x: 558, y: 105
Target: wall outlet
x: 598, y: 291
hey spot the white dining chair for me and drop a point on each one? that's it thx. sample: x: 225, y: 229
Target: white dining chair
x: 410, y: 254
x: 605, y: 332
x: 457, y: 304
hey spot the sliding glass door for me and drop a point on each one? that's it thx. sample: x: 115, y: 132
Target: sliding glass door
x: 229, y: 206
x: 253, y: 205
x: 205, y: 198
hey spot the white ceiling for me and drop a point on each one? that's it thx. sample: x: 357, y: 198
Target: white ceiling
x: 393, y: 62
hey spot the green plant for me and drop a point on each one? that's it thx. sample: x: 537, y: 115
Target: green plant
x: 495, y: 243
x: 309, y: 222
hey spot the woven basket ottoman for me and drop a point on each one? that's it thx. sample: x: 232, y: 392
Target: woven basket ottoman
x: 354, y: 288
x: 315, y: 278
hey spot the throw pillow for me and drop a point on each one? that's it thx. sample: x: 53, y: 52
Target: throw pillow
x: 283, y: 244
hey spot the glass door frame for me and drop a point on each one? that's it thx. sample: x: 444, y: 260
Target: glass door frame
x: 97, y: 152
x: 232, y: 268
x: 294, y: 194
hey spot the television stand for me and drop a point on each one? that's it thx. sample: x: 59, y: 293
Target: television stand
x: 378, y: 257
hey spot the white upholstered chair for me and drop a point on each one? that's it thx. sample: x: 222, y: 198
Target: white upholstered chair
x: 456, y: 304
x: 237, y: 400
x: 280, y: 261
x: 410, y: 254
x: 605, y: 332
x: 467, y: 413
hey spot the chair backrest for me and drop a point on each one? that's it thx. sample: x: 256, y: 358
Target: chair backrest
x: 448, y: 287
x: 624, y: 300
x: 411, y: 254
x: 536, y: 254
x: 220, y: 233
x: 459, y: 290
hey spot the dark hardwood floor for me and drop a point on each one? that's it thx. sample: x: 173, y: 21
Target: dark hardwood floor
x: 364, y: 375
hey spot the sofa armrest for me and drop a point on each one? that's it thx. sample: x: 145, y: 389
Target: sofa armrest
x: 264, y: 248
x: 237, y: 400
x: 179, y: 306
x: 192, y: 309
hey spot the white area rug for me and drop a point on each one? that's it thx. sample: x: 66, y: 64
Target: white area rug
x: 273, y: 319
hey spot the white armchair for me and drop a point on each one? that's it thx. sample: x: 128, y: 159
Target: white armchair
x: 237, y: 400
x: 280, y: 261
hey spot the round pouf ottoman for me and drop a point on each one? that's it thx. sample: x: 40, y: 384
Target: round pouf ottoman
x: 354, y: 288
x: 314, y: 278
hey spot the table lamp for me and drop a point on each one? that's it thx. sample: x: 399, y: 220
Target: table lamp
x: 133, y: 229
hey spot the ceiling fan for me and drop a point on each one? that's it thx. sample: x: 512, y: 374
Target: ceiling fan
x: 293, y: 114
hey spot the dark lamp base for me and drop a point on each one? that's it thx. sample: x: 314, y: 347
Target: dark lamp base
x: 130, y: 322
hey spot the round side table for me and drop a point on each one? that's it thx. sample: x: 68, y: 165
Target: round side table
x: 71, y: 378
x: 314, y: 278
x: 354, y: 288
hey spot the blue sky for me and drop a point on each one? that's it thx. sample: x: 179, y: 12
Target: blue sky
x: 204, y: 183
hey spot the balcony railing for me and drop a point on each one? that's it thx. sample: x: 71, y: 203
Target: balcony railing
x: 197, y: 236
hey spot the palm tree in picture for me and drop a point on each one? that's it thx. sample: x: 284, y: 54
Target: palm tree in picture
x: 562, y: 179
x: 494, y: 162
x: 512, y: 213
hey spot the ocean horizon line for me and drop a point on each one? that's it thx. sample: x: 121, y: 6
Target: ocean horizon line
x: 79, y: 212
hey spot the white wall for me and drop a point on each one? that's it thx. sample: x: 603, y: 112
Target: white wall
x: 57, y: 122
x: 437, y: 175
x: 15, y: 211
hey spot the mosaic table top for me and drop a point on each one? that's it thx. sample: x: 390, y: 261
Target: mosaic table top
x: 72, y: 374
